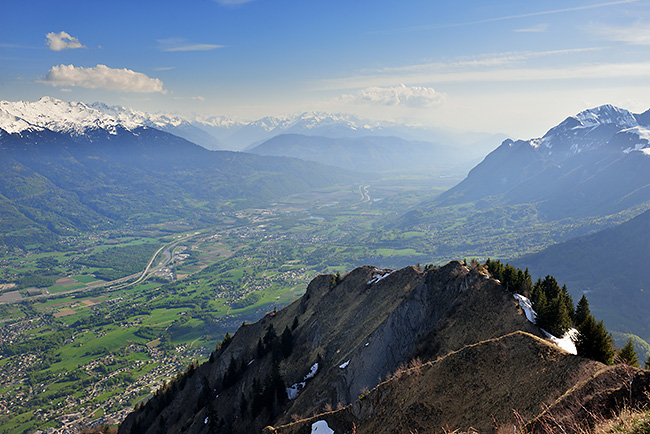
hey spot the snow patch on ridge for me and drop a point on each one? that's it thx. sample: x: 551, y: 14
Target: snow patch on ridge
x: 321, y: 427
x: 527, y: 306
x: 294, y: 390
x: 379, y: 275
x: 566, y: 342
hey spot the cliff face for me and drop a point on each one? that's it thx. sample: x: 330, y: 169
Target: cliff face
x: 347, y: 336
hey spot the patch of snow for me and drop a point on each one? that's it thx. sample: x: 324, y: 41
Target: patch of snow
x: 321, y: 427
x: 367, y: 343
x: 379, y: 276
x: 527, y: 306
x: 567, y: 342
x: 205, y: 421
x: 251, y: 362
x: 294, y: 390
x: 344, y: 365
x: 312, y: 371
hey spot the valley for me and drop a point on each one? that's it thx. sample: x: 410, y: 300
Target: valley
x: 83, y: 351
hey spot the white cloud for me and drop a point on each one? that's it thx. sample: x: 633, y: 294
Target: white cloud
x: 414, y: 97
x: 198, y: 98
x: 62, y: 41
x: 636, y: 34
x: 101, y: 76
x: 538, y: 28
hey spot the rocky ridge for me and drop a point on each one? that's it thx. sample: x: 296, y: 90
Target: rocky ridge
x: 425, y: 350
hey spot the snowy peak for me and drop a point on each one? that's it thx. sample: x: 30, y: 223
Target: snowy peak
x: 75, y: 118
x: 606, y: 114
x: 129, y: 116
x: 588, y: 130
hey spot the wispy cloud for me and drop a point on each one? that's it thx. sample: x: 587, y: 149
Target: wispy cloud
x: 585, y: 71
x: 413, y: 97
x: 164, y: 68
x: 198, y: 98
x: 62, y: 41
x: 509, y: 17
x: 539, y: 28
x: 180, y: 44
x: 101, y: 76
x: 636, y: 34
x: 484, y: 61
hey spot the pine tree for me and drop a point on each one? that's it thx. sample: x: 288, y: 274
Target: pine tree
x: 647, y: 363
x: 286, y: 342
x: 628, y: 355
x: 582, y: 311
x: 593, y: 341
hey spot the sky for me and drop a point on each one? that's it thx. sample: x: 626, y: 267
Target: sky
x: 513, y: 67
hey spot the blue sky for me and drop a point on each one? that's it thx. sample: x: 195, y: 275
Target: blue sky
x: 498, y: 66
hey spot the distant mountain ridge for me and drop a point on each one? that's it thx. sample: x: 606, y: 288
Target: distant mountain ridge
x: 367, y: 153
x: 594, y: 163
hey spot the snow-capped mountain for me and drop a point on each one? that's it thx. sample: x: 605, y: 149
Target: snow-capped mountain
x: 593, y: 163
x: 74, y: 118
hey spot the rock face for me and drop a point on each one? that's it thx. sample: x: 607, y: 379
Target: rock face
x: 471, y: 351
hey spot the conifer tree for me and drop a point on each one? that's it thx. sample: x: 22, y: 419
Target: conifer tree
x: 593, y: 341
x: 628, y: 355
x: 647, y: 363
x: 582, y: 310
x: 286, y: 342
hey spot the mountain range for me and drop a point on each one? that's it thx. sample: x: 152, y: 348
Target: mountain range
x: 68, y: 167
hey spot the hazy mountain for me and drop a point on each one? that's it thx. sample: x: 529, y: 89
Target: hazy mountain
x: 452, y: 344
x: 67, y: 167
x: 611, y: 267
x: 169, y: 123
x: 240, y: 135
x: 369, y: 154
x: 594, y: 163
